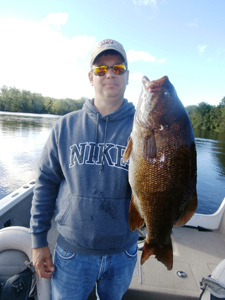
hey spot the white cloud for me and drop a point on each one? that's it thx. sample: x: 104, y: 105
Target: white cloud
x: 136, y: 76
x: 162, y: 60
x: 36, y: 56
x: 133, y: 56
x: 201, y: 48
x: 193, y: 24
x: 221, y: 51
x: 56, y: 19
x: 145, y: 2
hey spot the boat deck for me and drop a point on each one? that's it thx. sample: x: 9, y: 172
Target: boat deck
x: 196, y: 253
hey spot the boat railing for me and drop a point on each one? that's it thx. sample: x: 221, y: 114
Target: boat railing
x: 208, y: 221
x: 16, y: 196
x: 204, y: 221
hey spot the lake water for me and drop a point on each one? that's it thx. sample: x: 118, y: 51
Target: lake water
x: 22, y: 137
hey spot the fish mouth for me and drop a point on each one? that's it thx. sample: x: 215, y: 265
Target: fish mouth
x: 155, y: 85
x: 148, y: 109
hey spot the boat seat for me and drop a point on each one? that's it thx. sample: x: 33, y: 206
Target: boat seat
x: 15, y: 249
x: 11, y: 262
x: 214, y: 285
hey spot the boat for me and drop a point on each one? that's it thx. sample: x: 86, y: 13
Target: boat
x: 198, y: 249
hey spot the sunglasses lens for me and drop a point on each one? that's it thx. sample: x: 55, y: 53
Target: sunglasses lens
x: 100, y: 71
x: 119, y: 69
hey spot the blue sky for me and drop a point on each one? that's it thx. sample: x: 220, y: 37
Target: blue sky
x: 46, y: 44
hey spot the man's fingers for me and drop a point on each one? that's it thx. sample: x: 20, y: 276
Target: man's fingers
x: 43, y: 271
x: 49, y: 265
x: 42, y: 262
x: 48, y: 269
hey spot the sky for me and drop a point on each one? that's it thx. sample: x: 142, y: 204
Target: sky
x: 45, y: 45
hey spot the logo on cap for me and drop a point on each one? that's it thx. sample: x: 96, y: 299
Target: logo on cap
x: 107, y: 42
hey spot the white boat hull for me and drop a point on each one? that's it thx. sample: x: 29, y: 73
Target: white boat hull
x: 196, y: 252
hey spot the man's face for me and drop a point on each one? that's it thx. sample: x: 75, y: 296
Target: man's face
x: 109, y: 87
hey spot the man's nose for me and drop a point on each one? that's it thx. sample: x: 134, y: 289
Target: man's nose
x: 110, y: 72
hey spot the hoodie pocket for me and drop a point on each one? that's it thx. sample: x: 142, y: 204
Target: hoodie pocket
x: 132, y: 251
x: 63, y: 207
x: 94, y: 223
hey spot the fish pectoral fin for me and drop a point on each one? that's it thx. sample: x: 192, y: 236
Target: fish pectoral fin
x: 149, y: 146
x: 135, y: 219
x: 163, y: 254
x: 189, y: 212
x: 127, y: 151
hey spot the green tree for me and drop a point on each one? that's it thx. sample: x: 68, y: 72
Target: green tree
x: 222, y: 111
x: 12, y: 99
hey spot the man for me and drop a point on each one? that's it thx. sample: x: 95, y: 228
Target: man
x: 82, y: 179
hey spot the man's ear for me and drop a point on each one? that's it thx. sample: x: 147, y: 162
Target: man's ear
x: 90, y: 76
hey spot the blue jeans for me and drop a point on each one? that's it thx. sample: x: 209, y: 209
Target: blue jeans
x: 75, y: 275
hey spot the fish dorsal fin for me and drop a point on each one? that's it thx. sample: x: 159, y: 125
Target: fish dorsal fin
x: 127, y: 151
x: 149, y: 146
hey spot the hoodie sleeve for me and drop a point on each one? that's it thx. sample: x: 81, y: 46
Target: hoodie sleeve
x: 49, y: 176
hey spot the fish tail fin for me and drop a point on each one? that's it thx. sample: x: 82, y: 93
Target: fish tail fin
x: 163, y: 254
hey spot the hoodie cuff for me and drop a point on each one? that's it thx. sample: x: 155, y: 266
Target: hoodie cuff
x: 39, y: 240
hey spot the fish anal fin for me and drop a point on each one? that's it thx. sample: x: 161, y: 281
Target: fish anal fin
x: 135, y: 219
x: 189, y: 212
x: 149, y: 146
x: 164, y: 254
x: 127, y: 151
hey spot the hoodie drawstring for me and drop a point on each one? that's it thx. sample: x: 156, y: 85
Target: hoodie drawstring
x: 96, y: 135
x: 106, y: 127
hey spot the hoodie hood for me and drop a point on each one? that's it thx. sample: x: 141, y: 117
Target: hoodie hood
x: 126, y: 109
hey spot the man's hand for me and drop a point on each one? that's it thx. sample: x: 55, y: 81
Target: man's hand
x: 42, y: 262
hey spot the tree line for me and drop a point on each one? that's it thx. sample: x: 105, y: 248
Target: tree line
x: 206, y: 116
x: 14, y: 100
x: 202, y: 116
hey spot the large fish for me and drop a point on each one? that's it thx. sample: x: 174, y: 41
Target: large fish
x: 162, y: 168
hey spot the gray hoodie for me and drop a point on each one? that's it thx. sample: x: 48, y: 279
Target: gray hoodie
x: 82, y: 179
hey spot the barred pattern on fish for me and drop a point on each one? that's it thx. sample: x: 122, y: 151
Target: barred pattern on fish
x: 162, y: 168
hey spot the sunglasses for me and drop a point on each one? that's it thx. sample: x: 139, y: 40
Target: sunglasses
x: 102, y: 70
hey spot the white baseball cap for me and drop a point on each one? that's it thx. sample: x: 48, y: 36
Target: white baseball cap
x: 107, y: 44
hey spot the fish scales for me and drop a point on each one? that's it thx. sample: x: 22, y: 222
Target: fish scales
x: 162, y: 168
